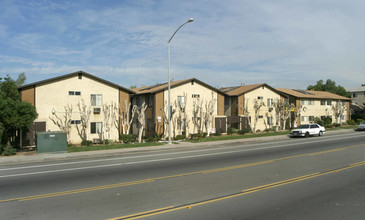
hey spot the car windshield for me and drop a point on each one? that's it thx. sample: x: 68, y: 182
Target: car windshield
x: 303, y: 126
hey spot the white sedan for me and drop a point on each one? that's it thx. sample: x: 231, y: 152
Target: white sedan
x: 308, y: 130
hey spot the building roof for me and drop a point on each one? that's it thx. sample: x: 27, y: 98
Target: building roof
x: 356, y: 89
x: 239, y: 90
x: 50, y: 80
x: 310, y: 94
x: 164, y: 86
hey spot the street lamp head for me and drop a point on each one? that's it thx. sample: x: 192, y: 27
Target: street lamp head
x: 190, y: 20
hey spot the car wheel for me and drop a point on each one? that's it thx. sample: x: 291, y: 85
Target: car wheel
x: 306, y: 134
x: 320, y: 133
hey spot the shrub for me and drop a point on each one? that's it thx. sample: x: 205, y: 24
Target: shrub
x: 154, y: 138
x: 359, y: 121
x: 336, y: 125
x: 128, y: 138
x: 86, y: 143
x: 216, y: 134
x: 179, y: 137
x: 196, y: 136
x: 108, y: 141
x: 319, y: 121
x: 232, y: 131
x: 244, y: 131
x: 350, y: 122
x: 327, y: 122
x: 8, y: 151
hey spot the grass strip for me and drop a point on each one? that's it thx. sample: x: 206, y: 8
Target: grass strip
x: 109, y: 147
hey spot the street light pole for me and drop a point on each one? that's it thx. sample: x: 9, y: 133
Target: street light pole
x: 169, y: 97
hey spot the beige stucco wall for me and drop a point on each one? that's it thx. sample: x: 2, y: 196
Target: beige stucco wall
x: 55, y: 96
x: 266, y: 93
x: 206, y: 95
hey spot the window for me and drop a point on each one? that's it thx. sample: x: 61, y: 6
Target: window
x: 311, y: 118
x: 95, y: 127
x: 269, y: 121
x: 314, y: 126
x: 329, y: 102
x: 343, y: 117
x: 260, y: 97
x: 138, y: 101
x: 323, y: 102
x: 150, y: 100
x: 260, y: 116
x: 323, y: 117
x: 354, y: 95
x: 304, y: 118
x: 181, y: 101
x: 310, y: 102
x: 195, y: 95
x: 74, y: 93
x: 75, y: 122
x: 270, y: 102
x: 304, y: 102
x: 96, y: 100
x: 226, y: 100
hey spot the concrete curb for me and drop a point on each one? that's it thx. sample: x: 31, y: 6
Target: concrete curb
x: 18, y: 159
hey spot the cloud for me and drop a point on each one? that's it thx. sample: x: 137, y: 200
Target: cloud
x: 283, y: 43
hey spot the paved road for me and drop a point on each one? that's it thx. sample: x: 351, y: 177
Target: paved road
x: 301, y: 178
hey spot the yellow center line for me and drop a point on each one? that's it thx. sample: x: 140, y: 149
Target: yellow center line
x: 149, y: 180
x: 244, y: 192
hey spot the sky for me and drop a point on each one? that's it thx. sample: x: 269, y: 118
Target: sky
x: 284, y: 43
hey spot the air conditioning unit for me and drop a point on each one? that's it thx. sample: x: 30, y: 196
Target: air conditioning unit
x: 97, y: 110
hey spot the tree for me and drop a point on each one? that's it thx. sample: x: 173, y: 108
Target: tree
x: 297, y: 112
x: 279, y: 106
x: 107, y: 110
x: 141, y: 120
x: 257, y: 106
x: 246, y: 113
x: 21, y: 79
x: 14, y: 113
x: 64, y: 123
x: 208, y: 116
x: 84, y: 118
x: 330, y: 86
x: 197, y: 105
x: 338, y: 111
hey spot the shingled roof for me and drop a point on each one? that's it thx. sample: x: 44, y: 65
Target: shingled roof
x: 164, y: 86
x: 310, y: 94
x: 239, y: 90
x: 50, y: 80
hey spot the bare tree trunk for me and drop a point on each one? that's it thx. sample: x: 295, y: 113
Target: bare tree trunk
x: 141, y: 120
x: 84, y: 118
x: 63, y: 124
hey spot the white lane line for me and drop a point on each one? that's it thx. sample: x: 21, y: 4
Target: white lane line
x: 177, y: 153
x: 137, y: 162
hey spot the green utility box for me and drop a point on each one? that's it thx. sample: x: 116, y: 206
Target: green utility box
x: 51, y: 142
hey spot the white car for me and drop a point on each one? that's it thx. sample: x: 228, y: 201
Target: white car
x: 308, y: 130
x: 361, y: 127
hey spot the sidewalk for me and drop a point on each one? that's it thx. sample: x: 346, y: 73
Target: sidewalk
x: 36, y: 157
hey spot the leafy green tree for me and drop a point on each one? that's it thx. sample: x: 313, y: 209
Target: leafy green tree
x: 14, y: 113
x: 329, y: 86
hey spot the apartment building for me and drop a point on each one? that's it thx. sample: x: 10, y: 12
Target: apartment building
x: 358, y: 96
x: 191, y: 99
x: 317, y: 104
x: 55, y: 96
x: 239, y: 105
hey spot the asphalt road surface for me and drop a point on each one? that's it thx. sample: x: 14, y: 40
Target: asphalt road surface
x: 299, y: 178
